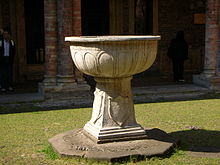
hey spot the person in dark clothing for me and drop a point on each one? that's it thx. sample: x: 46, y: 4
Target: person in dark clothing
x: 178, y: 53
x: 7, y: 53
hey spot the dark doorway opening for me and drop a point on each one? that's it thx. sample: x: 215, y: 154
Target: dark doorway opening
x: 95, y: 17
x: 34, y: 25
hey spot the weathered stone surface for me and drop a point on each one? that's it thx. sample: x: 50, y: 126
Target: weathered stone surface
x: 75, y: 143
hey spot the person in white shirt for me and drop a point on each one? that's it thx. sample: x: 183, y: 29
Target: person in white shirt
x: 7, y: 53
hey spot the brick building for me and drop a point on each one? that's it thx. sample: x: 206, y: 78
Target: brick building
x: 40, y: 26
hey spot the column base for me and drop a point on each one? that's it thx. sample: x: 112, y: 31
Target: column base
x: 64, y: 87
x: 111, y: 134
x: 211, y: 82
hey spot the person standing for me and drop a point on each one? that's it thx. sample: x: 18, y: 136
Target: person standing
x: 7, y: 53
x: 178, y: 53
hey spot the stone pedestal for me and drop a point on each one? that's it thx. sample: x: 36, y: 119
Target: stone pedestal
x: 113, y: 116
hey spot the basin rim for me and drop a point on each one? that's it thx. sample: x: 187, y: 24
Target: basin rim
x: 111, y: 38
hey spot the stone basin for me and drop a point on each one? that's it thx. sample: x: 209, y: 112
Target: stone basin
x: 113, y: 56
x: 112, y: 60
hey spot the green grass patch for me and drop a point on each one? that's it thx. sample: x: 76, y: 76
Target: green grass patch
x: 50, y: 153
x: 22, y: 135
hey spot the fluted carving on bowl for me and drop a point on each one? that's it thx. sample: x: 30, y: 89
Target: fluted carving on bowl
x: 119, y: 59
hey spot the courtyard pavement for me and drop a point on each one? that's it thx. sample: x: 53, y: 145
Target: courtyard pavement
x: 146, y: 88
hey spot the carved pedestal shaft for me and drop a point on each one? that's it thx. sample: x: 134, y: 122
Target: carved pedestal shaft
x: 113, y: 116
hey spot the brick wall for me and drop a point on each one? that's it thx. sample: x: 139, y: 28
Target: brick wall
x: 77, y: 30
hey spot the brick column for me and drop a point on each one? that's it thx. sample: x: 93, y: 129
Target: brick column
x: 65, y: 75
x: 211, y: 38
x: 210, y: 77
x: 62, y: 18
x: 50, y: 27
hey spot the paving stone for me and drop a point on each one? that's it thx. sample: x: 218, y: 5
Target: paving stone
x: 76, y: 144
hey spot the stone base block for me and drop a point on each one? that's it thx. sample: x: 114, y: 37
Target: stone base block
x: 114, y: 133
x: 76, y: 144
x: 212, y: 83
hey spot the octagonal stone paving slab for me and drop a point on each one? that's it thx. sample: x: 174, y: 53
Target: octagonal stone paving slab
x: 76, y: 144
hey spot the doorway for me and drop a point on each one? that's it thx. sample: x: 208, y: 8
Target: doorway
x: 34, y: 31
x: 95, y: 17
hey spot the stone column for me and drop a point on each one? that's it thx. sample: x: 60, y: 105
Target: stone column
x: 210, y: 77
x: 122, y: 19
x: 50, y: 28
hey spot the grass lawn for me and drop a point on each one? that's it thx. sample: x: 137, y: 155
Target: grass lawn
x: 23, y: 136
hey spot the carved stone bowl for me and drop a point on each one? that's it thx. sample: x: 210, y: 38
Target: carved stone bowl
x: 113, y: 56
